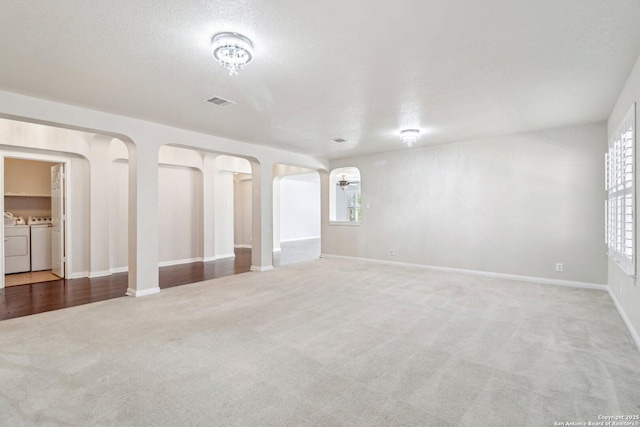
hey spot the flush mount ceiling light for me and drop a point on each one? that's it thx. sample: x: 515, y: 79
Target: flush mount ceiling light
x: 409, y: 136
x: 233, y: 51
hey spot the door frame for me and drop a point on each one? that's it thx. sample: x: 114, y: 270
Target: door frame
x: 67, y: 196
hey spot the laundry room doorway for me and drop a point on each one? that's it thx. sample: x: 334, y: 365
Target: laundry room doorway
x: 35, y: 220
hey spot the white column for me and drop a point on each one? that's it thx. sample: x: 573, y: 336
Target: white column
x: 276, y: 213
x: 99, y: 234
x: 262, y: 219
x: 143, y: 219
x: 209, y: 208
x: 325, y: 191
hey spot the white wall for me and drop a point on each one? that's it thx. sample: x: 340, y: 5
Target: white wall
x: 625, y: 289
x: 180, y: 205
x: 79, y: 218
x: 242, y: 210
x: 180, y: 210
x: 515, y: 204
x: 224, y: 215
x: 118, y: 214
x: 299, y: 207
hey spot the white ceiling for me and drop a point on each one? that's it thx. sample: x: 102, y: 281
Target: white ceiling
x: 361, y: 70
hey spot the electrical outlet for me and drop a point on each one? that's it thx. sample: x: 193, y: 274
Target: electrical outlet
x: 392, y: 252
x: 559, y: 267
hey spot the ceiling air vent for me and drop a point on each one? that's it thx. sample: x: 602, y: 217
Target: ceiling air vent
x: 221, y: 102
x: 339, y: 140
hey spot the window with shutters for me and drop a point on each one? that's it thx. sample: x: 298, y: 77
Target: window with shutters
x: 620, y: 187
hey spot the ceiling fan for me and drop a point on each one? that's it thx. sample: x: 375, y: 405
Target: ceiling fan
x: 343, y: 183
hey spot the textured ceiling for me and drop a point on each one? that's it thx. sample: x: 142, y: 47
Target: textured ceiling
x: 360, y: 70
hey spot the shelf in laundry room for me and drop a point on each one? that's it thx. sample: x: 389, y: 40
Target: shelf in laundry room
x: 25, y: 195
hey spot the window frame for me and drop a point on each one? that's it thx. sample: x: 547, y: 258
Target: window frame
x: 620, y: 185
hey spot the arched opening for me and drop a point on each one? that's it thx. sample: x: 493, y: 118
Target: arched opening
x: 345, y: 196
x: 296, y: 215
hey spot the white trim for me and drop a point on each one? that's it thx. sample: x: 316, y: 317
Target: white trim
x: 541, y: 280
x: 625, y: 319
x: 277, y: 249
x: 209, y: 258
x: 225, y: 256
x: 179, y: 261
x: 243, y: 245
x: 79, y: 275
x: 119, y: 269
x: 103, y: 273
x: 265, y: 268
x: 347, y: 223
x: 300, y: 239
x: 143, y: 293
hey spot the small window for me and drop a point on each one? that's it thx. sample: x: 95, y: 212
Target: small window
x: 620, y: 203
x: 345, y: 204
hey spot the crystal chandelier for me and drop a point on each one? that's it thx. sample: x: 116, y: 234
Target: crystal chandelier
x: 233, y: 51
x: 409, y: 136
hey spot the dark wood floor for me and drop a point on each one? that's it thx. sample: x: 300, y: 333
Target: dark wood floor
x: 24, y: 300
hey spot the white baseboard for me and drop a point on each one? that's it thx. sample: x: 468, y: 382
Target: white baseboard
x: 143, y: 293
x: 94, y: 274
x: 119, y: 270
x: 542, y: 280
x: 79, y: 275
x: 225, y: 256
x: 277, y: 249
x: 265, y: 268
x: 179, y: 261
x: 625, y: 319
x: 299, y: 239
x: 209, y: 258
x: 243, y: 246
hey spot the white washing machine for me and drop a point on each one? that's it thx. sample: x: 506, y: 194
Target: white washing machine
x: 17, y: 249
x: 40, y: 243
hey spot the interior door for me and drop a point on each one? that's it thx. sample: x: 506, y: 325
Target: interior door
x: 57, y: 220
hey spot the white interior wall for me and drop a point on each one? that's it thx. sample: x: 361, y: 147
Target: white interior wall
x: 242, y: 210
x: 300, y: 207
x: 180, y: 205
x: 224, y: 215
x: 624, y: 289
x: 79, y: 218
x: 180, y: 210
x: 514, y: 204
x: 118, y: 215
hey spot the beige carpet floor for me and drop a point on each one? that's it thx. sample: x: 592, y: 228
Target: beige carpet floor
x: 324, y: 343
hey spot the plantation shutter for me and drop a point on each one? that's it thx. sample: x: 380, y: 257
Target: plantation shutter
x: 620, y: 203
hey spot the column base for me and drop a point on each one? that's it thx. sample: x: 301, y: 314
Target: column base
x: 143, y: 292
x: 264, y: 268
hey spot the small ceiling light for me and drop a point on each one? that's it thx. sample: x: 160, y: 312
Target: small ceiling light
x: 233, y: 51
x: 409, y: 136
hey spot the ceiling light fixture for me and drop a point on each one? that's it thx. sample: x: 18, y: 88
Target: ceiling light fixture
x: 343, y: 183
x: 409, y: 136
x: 233, y: 51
